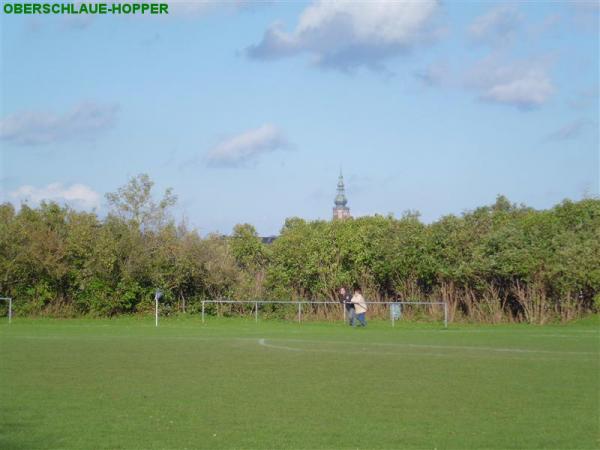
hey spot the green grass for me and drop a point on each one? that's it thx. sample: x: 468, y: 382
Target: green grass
x: 91, y: 384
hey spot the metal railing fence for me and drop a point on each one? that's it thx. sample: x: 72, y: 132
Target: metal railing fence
x: 299, y: 304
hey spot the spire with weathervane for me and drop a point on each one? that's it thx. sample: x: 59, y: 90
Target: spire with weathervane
x: 340, y: 210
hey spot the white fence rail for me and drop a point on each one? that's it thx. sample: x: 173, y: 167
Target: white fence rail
x: 256, y: 303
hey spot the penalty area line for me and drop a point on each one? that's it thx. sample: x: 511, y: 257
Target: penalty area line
x: 263, y: 343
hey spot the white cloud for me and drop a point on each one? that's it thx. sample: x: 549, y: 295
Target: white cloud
x: 348, y: 34
x: 85, y: 120
x: 551, y: 23
x: 497, y: 26
x: 246, y: 147
x: 178, y: 9
x: 569, y: 131
x: 436, y: 74
x: 202, y: 7
x: 585, y: 98
x: 524, y: 84
x: 585, y: 16
x: 77, y: 21
x: 586, y: 5
x: 76, y: 195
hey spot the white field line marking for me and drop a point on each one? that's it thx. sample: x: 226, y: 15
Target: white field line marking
x: 83, y: 338
x: 263, y: 343
x: 564, y: 336
x: 438, y: 347
x: 308, y: 341
x: 519, y: 333
x: 574, y: 334
x: 408, y: 332
x: 515, y: 332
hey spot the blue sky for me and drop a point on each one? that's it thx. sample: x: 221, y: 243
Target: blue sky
x: 248, y: 110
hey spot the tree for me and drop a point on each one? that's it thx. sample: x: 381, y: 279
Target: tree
x: 498, y: 262
x: 134, y: 203
x: 251, y: 256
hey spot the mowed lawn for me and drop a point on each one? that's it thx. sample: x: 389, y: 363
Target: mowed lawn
x: 231, y: 383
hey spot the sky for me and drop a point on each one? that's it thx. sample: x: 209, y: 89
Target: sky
x: 249, y: 110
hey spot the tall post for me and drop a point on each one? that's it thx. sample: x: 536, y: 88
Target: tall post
x: 256, y: 312
x: 203, y: 311
x: 299, y: 312
x: 9, y: 310
x: 157, y: 296
x: 445, y: 315
x: 156, y: 310
x: 392, y: 314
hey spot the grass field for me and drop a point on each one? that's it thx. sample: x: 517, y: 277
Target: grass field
x: 231, y: 383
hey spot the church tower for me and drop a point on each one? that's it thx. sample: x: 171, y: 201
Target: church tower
x: 340, y: 210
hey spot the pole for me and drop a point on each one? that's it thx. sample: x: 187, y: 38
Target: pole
x: 256, y: 312
x: 9, y: 310
x: 392, y: 313
x: 203, y: 311
x: 445, y: 315
x: 156, y: 310
x: 299, y: 312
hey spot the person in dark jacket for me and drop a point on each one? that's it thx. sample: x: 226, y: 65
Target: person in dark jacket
x: 346, y: 299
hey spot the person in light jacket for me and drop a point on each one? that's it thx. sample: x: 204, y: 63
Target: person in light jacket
x: 360, y: 306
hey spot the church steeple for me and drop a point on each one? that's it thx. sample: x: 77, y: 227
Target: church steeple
x: 341, y: 211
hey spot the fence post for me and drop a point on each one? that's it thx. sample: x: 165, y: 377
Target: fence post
x: 445, y: 315
x: 156, y: 310
x: 299, y: 312
x: 202, y: 311
x: 392, y: 314
x: 9, y: 310
x: 256, y: 312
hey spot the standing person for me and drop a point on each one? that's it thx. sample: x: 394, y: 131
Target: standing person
x: 346, y: 299
x: 360, y: 306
